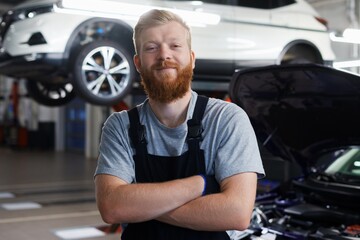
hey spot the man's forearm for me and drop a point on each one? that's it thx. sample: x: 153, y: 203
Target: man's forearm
x: 205, y: 213
x: 229, y: 210
x: 140, y: 202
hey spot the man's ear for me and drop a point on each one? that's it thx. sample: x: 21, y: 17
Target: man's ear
x: 137, y: 62
x: 192, y: 56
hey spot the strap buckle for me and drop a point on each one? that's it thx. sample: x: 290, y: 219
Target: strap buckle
x: 194, y: 130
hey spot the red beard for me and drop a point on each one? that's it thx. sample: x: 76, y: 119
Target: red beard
x: 166, y: 89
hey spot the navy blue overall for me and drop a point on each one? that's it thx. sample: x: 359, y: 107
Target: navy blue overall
x: 150, y: 168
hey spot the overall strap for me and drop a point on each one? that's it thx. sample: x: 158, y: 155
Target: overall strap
x: 195, y: 130
x: 194, y: 124
x: 137, y: 132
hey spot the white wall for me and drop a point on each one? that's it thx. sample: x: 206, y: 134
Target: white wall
x: 341, y: 14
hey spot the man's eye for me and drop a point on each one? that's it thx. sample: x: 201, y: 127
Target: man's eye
x: 150, y: 48
x: 177, y: 47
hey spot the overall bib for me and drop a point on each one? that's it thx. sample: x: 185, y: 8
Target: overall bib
x: 150, y: 168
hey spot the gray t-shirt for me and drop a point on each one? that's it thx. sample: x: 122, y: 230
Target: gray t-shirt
x: 229, y: 142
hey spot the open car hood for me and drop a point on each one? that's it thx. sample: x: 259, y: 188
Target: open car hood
x: 300, y: 111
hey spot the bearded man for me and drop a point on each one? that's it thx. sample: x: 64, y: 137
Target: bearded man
x: 179, y: 165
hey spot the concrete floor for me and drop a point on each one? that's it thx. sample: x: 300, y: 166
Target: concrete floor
x: 62, y: 184
x: 59, y: 187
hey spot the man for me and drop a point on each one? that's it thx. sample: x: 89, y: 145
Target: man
x: 178, y: 166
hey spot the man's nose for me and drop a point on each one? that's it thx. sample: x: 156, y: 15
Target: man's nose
x: 164, y: 52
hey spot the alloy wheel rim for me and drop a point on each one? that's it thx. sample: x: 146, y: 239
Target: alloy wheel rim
x: 106, y: 72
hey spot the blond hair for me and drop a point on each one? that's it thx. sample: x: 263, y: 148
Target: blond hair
x: 155, y: 18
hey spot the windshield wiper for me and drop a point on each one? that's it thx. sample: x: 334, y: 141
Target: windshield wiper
x: 321, y: 176
x: 347, y: 178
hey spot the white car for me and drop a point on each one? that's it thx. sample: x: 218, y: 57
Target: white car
x: 85, y: 46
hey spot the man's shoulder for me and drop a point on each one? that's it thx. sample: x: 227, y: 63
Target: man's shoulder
x: 217, y: 104
x: 117, y: 119
x: 224, y: 110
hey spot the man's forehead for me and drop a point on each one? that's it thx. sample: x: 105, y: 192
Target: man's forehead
x: 171, y: 27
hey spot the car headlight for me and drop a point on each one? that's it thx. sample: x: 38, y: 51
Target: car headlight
x: 22, y: 14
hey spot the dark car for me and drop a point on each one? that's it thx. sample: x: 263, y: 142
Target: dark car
x: 309, y: 115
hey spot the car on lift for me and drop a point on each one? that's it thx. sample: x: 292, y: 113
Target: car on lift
x: 63, y: 47
x: 309, y: 115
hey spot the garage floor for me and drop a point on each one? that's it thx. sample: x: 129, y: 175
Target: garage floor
x: 47, y: 195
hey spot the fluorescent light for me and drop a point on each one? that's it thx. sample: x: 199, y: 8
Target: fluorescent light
x: 120, y: 10
x: 347, y: 64
x: 352, y: 33
x: 196, y: 3
x: 349, y: 35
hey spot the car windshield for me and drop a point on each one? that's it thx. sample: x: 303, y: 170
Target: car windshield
x: 345, y: 167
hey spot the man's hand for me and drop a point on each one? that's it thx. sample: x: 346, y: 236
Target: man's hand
x: 211, y: 185
x: 230, y: 209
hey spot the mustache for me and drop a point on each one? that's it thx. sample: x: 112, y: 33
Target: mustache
x: 165, y: 64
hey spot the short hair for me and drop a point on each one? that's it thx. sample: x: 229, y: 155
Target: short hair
x: 157, y: 17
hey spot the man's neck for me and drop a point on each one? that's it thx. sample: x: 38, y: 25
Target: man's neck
x: 171, y: 114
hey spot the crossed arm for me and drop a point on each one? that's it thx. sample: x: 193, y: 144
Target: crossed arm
x: 179, y: 202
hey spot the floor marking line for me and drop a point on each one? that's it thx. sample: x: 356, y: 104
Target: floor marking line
x: 47, y: 184
x: 49, y: 217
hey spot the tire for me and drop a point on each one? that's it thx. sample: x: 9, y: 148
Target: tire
x: 50, y: 94
x: 301, y: 54
x: 103, y: 72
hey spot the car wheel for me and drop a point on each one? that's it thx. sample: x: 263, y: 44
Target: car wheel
x: 301, y: 54
x: 103, y: 72
x: 50, y: 94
